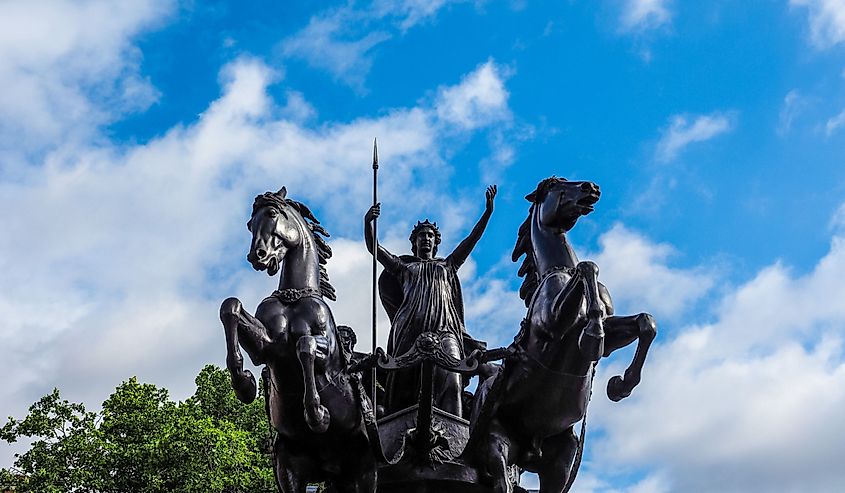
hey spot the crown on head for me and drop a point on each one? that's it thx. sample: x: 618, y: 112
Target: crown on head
x: 419, y: 227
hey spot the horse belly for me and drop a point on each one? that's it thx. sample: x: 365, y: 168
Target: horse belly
x: 551, y: 404
x: 288, y: 414
x: 328, y: 454
x: 343, y: 407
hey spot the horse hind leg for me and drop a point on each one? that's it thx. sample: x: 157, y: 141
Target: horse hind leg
x: 363, y: 482
x: 316, y: 415
x: 558, y: 459
x: 496, y: 453
x: 236, y: 322
x: 288, y: 479
x: 622, y: 331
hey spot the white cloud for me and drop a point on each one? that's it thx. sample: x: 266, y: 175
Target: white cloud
x: 682, y: 132
x: 837, y: 222
x: 750, y: 401
x: 479, y: 100
x: 827, y: 21
x: 322, y: 44
x: 834, y: 123
x: 635, y: 271
x: 492, y: 305
x: 592, y: 483
x: 116, y: 258
x: 67, y: 67
x: 643, y: 15
x: 297, y: 108
x: 341, y: 40
x: 408, y: 13
x: 794, y: 103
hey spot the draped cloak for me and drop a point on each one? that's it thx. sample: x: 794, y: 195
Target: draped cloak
x: 423, y: 296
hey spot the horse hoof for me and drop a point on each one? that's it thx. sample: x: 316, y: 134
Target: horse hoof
x: 245, y: 387
x: 591, y: 347
x: 616, y: 389
x: 319, y: 423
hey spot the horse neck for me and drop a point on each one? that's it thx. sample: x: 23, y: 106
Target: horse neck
x: 550, y: 248
x: 301, y: 265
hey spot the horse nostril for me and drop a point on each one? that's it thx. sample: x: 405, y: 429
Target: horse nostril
x: 587, y: 187
x: 261, y: 253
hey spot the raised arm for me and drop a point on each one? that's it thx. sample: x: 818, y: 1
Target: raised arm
x: 387, y: 259
x: 462, y: 251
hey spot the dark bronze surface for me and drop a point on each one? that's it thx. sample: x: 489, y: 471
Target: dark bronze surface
x: 524, y: 411
x: 312, y: 401
x: 421, y: 293
x: 524, y: 415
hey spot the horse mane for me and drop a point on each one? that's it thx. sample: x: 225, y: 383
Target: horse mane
x: 524, y: 245
x: 278, y: 201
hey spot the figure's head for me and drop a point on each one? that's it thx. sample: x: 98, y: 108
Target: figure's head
x: 424, y: 240
x: 347, y: 337
x: 273, y: 231
x: 562, y: 202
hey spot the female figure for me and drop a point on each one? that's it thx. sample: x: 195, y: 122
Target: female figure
x: 422, y: 293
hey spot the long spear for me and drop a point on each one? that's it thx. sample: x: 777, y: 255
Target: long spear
x: 375, y: 253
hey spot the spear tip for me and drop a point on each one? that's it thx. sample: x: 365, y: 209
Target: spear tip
x: 375, y: 151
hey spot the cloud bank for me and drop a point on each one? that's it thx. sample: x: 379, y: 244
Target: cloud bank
x: 826, y: 21
x: 743, y: 398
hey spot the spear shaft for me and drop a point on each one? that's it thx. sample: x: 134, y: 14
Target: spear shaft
x: 375, y: 261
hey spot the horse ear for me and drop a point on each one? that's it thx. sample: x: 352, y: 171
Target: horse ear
x: 283, y: 192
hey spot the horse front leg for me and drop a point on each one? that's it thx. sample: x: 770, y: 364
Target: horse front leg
x: 238, y: 322
x: 316, y: 415
x: 622, y: 331
x: 591, y: 342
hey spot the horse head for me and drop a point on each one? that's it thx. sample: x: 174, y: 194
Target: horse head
x: 273, y: 231
x: 561, y: 202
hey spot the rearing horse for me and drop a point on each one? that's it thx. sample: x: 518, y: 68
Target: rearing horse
x: 311, y: 401
x: 524, y: 415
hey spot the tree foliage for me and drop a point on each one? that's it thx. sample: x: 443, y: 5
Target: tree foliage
x: 141, y: 441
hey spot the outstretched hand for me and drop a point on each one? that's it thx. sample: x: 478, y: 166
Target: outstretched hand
x: 491, y: 195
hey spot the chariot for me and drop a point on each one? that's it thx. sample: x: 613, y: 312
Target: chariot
x: 319, y: 392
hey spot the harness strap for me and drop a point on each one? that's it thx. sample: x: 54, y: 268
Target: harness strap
x: 576, y: 465
x: 369, y: 416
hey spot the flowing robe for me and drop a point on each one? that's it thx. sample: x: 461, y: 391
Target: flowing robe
x: 423, y: 296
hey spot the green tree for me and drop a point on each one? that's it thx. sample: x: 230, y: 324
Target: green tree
x: 141, y: 441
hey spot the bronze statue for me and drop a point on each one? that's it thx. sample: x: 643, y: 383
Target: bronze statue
x: 313, y: 403
x: 422, y: 293
x: 522, y: 417
x: 525, y: 414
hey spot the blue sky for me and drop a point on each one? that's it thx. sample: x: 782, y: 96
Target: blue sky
x: 133, y: 136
